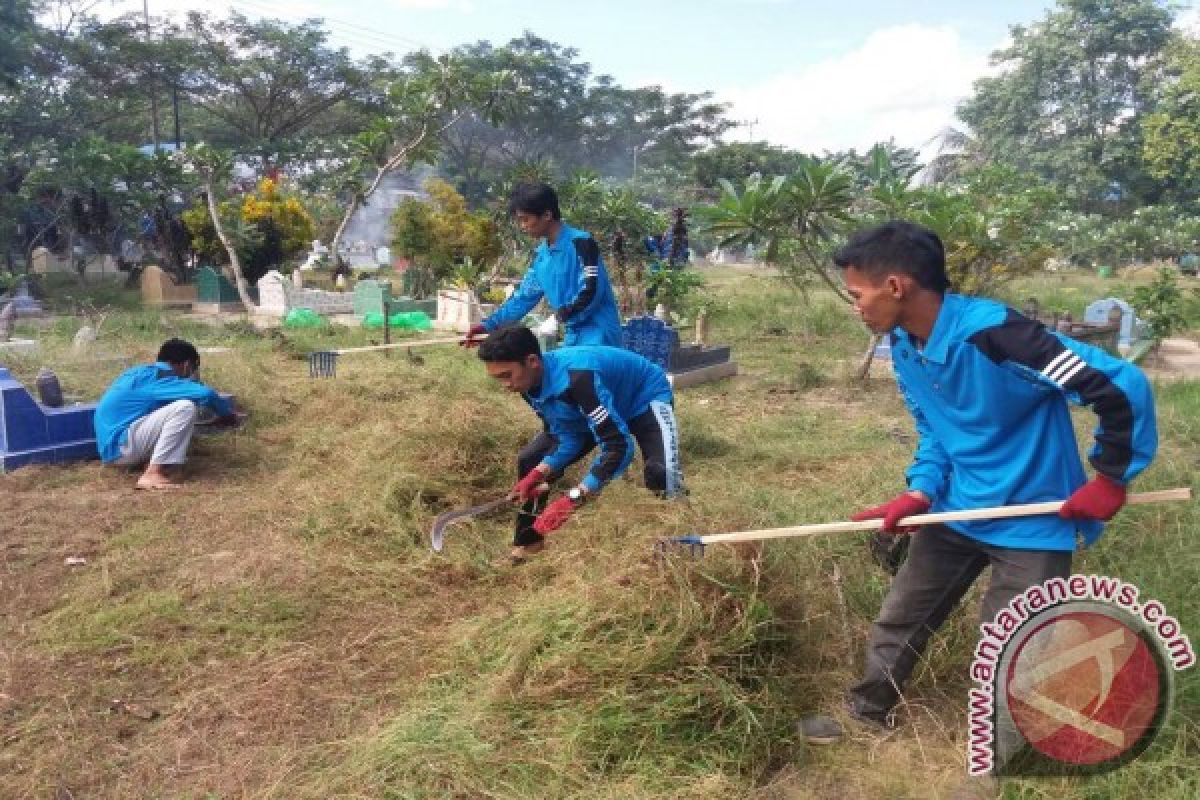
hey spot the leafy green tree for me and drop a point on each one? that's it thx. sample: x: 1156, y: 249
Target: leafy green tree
x: 564, y: 117
x: 1172, y: 130
x: 1068, y: 102
x: 796, y: 218
x: 214, y: 167
x: 427, y: 98
x: 268, y: 85
x: 737, y: 161
x: 442, y: 238
x: 1162, y: 305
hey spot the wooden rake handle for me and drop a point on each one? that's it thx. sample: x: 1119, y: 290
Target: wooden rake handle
x: 393, y: 345
x: 998, y: 512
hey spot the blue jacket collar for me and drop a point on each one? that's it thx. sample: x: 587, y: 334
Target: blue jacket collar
x: 944, y: 327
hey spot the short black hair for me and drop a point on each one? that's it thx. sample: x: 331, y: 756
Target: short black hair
x: 177, y: 351
x: 534, y: 198
x: 898, y: 246
x: 513, y: 342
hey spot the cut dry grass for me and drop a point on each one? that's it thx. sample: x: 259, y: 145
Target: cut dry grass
x: 286, y: 620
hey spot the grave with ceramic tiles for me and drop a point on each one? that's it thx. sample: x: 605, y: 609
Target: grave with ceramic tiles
x: 686, y: 364
x: 215, y: 293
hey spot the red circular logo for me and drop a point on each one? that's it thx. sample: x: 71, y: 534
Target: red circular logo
x: 1084, y: 688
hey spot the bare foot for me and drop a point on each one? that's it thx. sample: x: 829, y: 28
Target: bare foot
x: 159, y: 476
x: 157, y: 484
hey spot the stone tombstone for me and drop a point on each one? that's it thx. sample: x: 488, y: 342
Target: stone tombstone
x: 371, y: 296
x: 160, y: 289
x: 273, y: 293
x: 1100, y: 312
x: 457, y: 310
x: 8, y: 316
x: 298, y: 278
x: 24, y: 302
x: 84, y: 338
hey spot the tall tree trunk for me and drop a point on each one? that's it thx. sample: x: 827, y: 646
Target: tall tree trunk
x: 234, y: 262
x: 335, y: 245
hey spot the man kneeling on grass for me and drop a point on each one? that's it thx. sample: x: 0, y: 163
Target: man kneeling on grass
x: 585, y: 396
x: 149, y: 413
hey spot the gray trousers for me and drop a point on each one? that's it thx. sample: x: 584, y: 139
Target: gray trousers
x: 160, y: 437
x: 942, y: 564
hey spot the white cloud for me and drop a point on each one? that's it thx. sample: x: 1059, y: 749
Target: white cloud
x: 902, y: 82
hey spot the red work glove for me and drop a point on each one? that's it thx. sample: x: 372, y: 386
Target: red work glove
x: 530, y: 486
x: 476, y: 331
x: 894, y: 510
x: 554, y: 516
x: 1099, y: 498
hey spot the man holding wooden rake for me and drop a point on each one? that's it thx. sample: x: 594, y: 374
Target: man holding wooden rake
x: 989, y: 391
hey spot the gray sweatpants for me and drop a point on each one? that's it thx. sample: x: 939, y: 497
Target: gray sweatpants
x: 942, y: 564
x: 160, y: 437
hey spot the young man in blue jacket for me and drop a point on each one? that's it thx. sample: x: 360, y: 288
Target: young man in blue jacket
x: 989, y: 391
x: 567, y: 270
x: 585, y: 396
x: 149, y: 414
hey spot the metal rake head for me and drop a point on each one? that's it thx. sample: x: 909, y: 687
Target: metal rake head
x: 322, y: 364
x: 668, y: 544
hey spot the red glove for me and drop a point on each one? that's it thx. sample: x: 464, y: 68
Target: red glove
x: 1099, y: 498
x: 530, y: 486
x: 472, y: 334
x: 894, y: 510
x: 554, y: 516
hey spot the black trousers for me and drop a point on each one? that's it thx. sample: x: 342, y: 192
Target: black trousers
x: 644, y: 428
x: 942, y: 565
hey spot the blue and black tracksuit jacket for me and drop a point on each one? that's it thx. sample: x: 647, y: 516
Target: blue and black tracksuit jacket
x: 989, y: 393
x: 588, y: 394
x: 570, y: 274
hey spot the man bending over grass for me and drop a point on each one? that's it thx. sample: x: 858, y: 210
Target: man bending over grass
x: 989, y: 391
x: 585, y: 396
x: 149, y: 413
x: 567, y: 271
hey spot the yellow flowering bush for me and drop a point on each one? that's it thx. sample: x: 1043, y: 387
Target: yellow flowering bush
x: 269, y: 225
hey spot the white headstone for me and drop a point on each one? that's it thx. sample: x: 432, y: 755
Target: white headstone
x: 272, y: 294
x: 84, y: 338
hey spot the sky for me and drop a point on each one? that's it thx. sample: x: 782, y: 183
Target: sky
x: 810, y: 75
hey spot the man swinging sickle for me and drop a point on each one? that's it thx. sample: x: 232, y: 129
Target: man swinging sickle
x: 585, y: 396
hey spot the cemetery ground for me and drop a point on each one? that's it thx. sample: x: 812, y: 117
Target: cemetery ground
x: 280, y: 629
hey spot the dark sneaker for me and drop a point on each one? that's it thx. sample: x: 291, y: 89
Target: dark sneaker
x: 824, y: 729
x: 820, y: 729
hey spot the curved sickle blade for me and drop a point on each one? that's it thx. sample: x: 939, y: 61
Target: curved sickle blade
x: 443, y: 521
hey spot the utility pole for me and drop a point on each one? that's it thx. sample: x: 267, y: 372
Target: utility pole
x: 153, y: 90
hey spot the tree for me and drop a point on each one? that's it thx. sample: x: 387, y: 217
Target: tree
x: 737, y: 161
x: 1068, y: 103
x: 271, y: 85
x: 430, y: 95
x: 795, y: 217
x: 214, y: 167
x: 441, y: 236
x: 271, y: 223
x: 1172, y: 140
x: 567, y: 119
